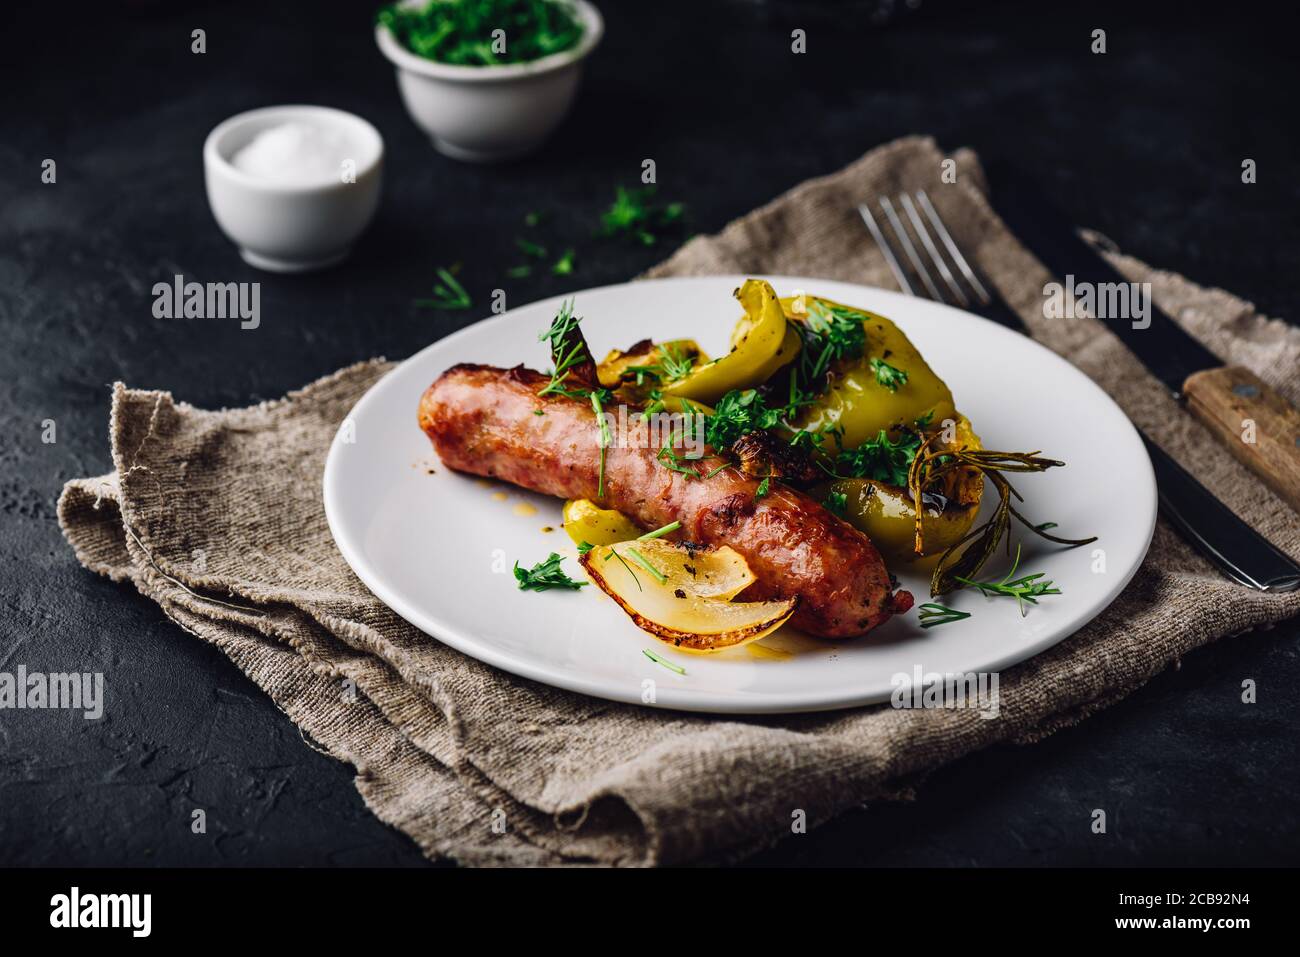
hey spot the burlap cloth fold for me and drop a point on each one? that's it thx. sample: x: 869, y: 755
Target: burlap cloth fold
x: 484, y: 767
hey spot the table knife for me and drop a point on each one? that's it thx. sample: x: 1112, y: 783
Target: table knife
x: 1256, y: 424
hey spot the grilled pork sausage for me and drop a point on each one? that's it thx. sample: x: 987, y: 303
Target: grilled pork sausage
x: 484, y: 420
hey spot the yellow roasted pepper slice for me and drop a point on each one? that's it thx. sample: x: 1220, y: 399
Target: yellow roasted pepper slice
x: 765, y: 346
x: 585, y: 521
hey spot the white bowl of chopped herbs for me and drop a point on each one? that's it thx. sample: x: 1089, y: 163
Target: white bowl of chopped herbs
x: 488, y: 80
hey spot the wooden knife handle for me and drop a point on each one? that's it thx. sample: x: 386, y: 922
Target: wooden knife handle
x: 1256, y: 424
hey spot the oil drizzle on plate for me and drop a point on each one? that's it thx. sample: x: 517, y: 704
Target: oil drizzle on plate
x: 524, y: 509
x: 757, y: 649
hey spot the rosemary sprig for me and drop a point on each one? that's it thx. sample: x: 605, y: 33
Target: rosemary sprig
x: 663, y: 661
x: 448, y: 294
x: 932, y: 613
x: 1026, y: 588
x: 963, y: 559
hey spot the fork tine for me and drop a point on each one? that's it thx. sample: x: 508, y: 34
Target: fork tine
x: 885, y: 249
x: 981, y: 293
x: 924, y: 235
x: 901, y: 232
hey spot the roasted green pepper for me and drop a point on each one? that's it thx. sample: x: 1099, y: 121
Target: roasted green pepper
x: 864, y: 395
x: 886, y: 513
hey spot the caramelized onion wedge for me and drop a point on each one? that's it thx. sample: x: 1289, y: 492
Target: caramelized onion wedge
x: 683, y: 597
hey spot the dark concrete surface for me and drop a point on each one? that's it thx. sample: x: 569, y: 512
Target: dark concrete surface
x: 1144, y: 143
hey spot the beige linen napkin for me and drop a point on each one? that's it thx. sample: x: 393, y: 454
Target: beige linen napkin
x: 484, y: 767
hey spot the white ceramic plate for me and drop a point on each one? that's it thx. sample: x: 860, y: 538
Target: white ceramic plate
x: 438, y: 548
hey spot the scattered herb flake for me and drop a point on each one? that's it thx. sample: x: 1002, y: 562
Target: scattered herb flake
x: 663, y: 661
x: 447, y: 294
x: 891, y: 377
x: 1026, y: 588
x: 564, y: 265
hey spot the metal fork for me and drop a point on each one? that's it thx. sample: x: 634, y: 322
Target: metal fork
x: 1234, y: 547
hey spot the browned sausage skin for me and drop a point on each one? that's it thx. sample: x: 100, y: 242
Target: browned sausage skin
x: 483, y: 420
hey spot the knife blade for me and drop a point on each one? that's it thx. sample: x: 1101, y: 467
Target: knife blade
x: 1255, y: 423
x: 1239, y: 551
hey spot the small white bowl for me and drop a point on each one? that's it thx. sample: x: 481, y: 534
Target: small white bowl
x: 288, y: 227
x: 482, y: 114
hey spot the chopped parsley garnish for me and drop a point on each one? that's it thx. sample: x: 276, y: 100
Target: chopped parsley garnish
x: 739, y: 412
x: 763, y: 487
x: 448, y: 294
x: 634, y: 215
x: 545, y: 575
x: 891, y: 377
x: 882, y: 458
x: 584, y: 547
x: 461, y: 31
x: 837, y: 503
x: 831, y: 332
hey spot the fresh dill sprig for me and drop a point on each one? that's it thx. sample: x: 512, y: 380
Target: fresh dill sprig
x: 932, y: 613
x: 645, y: 563
x: 660, y: 532
x: 447, y: 294
x: 568, y: 350
x: 604, y: 438
x: 530, y: 248
x: 670, y: 367
x: 891, y: 377
x: 1026, y: 588
x: 663, y: 661
x: 544, y: 575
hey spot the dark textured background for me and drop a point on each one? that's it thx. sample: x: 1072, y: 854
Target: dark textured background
x: 1144, y: 143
